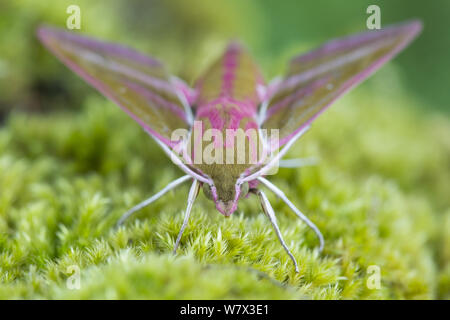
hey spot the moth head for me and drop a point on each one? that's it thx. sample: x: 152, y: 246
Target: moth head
x: 225, y: 199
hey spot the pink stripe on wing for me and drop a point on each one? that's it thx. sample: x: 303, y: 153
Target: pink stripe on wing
x: 100, y: 86
x: 229, y: 65
x: 339, y: 45
x: 410, y: 31
x: 111, y: 48
x: 297, y: 95
x: 159, y: 102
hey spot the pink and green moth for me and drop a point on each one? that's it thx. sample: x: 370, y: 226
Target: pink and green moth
x: 231, y: 95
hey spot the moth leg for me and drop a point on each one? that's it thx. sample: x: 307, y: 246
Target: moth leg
x: 299, y: 214
x: 153, y: 198
x: 193, y: 193
x: 268, y: 210
x: 297, y: 163
x: 265, y: 96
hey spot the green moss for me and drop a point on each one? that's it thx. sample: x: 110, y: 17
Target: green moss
x: 379, y: 195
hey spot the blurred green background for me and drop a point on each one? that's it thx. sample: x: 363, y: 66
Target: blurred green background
x: 188, y: 34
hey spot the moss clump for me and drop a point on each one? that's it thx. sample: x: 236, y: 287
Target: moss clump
x: 379, y: 195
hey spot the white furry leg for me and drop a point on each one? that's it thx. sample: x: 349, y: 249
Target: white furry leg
x: 299, y: 214
x: 195, y: 188
x: 153, y: 198
x: 298, y: 163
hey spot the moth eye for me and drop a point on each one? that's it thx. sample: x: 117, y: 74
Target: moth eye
x: 207, y: 191
x: 244, y: 190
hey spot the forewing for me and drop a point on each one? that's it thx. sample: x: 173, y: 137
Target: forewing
x: 318, y: 78
x: 139, y: 84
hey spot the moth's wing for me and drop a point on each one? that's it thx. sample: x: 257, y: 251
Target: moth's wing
x: 139, y: 84
x: 316, y: 79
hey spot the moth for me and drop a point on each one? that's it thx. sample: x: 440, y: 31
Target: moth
x: 230, y: 96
